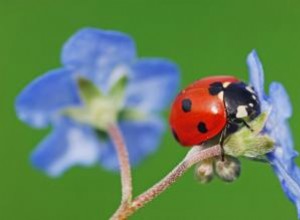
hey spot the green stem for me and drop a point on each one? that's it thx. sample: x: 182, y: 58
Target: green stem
x: 126, y: 180
x: 195, y: 155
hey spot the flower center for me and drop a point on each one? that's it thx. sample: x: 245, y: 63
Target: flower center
x: 99, y: 110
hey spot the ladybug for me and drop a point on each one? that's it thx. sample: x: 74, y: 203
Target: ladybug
x: 212, y: 107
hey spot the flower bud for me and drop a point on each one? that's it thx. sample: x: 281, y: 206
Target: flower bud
x: 204, y: 171
x: 229, y: 169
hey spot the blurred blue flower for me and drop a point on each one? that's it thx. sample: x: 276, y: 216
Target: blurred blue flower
x: 100, y: 57
x: 277, y: 126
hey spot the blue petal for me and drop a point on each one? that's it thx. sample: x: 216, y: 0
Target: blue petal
x: 153, y: 85
x: 280, y: 100
x: 278, y: 126
x: 141, y: 137
x: 289, y: 180
x: 96, y: 53
x: 256, y: 75
x: 282, y: 158
x: 40, y: 100
x: 256, y: 72
x: 68, y: 145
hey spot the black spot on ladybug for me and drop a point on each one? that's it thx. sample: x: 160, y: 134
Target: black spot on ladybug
x: 202, y: 127
x: 215, y: 88
x: 175, y: 135
x: 186, y: 105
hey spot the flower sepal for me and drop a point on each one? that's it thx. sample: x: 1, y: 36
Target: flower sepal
x: 250, y: 143
x: 204, y: 171
x: 98, y: 110
x: 228, y: 169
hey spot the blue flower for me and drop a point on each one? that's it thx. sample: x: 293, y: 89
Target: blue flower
x: 100, y: 57
x: 277, y: 126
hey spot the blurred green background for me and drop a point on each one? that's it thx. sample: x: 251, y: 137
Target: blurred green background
x: 204, y: 38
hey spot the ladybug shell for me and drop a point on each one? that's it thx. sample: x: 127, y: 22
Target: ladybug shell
x: 196, y: 115
x: 207, y: 81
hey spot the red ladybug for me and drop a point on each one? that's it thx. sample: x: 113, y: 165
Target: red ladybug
x: 210, y: 107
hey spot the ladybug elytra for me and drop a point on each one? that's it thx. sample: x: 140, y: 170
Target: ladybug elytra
x: 210, y: 107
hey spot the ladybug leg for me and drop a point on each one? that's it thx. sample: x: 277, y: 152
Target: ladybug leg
x: 242, y: 121
x: 247, y: 125
x: 221, y: 142
x: 231, y: 126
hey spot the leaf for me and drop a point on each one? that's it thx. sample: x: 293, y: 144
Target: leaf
x: 132, y: 114
x: 250, y: 143
x: 88, y: 90
x: 83, y: 115
x: 117, y: 92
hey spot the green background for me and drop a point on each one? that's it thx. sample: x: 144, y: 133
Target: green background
x: 204, y: 38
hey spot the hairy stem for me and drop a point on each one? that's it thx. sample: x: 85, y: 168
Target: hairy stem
x: 122, y: 153
x: 195, y: 155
